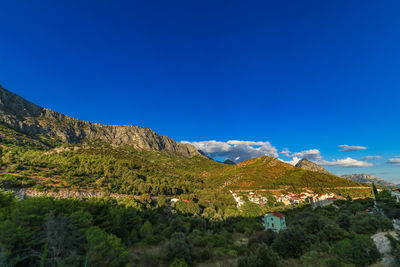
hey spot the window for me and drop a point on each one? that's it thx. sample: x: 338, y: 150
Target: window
x: 273, y: 225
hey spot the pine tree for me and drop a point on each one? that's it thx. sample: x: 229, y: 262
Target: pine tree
x: 375, y: 190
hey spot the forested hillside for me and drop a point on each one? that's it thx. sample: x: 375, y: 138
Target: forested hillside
x: 109, y: 232
x: 37, y: 161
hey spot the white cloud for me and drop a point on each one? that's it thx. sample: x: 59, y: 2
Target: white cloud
x: 351, y: 148
x: 395, y: 161
x: 292, y: 162
x: 311, y: 154
x: 286, y: 152
x: 371, y: 157
x: 346, y: 163
x: 308, y: 154
x: 247, y: 143
x: 235, y: 150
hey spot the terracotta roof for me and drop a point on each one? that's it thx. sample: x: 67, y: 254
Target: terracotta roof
x: 279, y: 215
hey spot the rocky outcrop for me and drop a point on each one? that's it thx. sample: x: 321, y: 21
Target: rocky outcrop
x: 26, y: 117
x: 368, y: 179
x: 311, y: 166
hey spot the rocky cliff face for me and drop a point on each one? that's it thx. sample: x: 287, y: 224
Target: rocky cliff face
x: 311, y: 166
x: 368, y: 179
x: 26, y: 117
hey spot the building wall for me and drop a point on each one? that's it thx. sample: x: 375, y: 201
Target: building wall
x: 274, y: 223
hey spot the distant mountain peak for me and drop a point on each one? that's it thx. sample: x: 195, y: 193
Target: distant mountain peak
x: 311, y: 166
x: 26, y: 117
x: 368, y: 179
x: 229, y: 162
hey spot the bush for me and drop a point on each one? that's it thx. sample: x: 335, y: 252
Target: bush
x: 313, y: 258
x: 261, y: 256
x: 291, y: 242
x: 361, y: 250
x: 9, y: 181
x: 149, y: 260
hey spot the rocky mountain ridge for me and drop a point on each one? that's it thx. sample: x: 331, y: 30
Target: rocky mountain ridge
x: 369, y: 179
x: 26, y: 117
x: 311, y: 166
x: 229, y: 162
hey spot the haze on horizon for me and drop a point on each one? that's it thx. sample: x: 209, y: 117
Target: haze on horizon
x: 317, y: 80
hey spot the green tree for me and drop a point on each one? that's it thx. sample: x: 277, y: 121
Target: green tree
x: 333, y: 232
x: 343, y: 221
x: 375, y: 190
x: 344, y: 249
x: 260, y: 256
x: 291, y: 243
x: 365, y: 252
x: 187, y: 207
x: 105, y: 249
x: 161, y: 200
x: 209, y: 212
x: 313, y: 258
x: 179, y: 247
x: 179, y: 263
x: 146, y: 230
x: 62, y: 239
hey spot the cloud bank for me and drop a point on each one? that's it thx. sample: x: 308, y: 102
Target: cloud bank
x: 308, y: 154
x: 394, y: 161
x: 371, y: 157
x: 348, y: 148
x: 346, y: 163
x: 235, y: 150
x: 314, y: 154
x: 239, y: 150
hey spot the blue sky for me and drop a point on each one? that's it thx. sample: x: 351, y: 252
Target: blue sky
x: 308, y: 75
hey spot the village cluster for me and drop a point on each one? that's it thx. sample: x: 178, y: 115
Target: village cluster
x: 289, y: 198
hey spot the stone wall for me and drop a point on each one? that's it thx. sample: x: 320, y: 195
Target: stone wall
x: 61, y: 194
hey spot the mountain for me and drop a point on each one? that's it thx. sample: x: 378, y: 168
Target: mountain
x: 270, y: 173
x: 229, y: 162
x: 47, y: 150
x: 28, y: 162
x: 311, y: 166
x: 26, y: 117
x: 368, y: 179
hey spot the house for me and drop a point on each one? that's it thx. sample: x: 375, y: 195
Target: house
x: 174, y: 200
x: 240, y: 203
x: 316, y: 202
x: 284, y: 200
x: 238, y: 199
x: 396, y: 193
x: 274, y: 221
x: 296, y: 200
